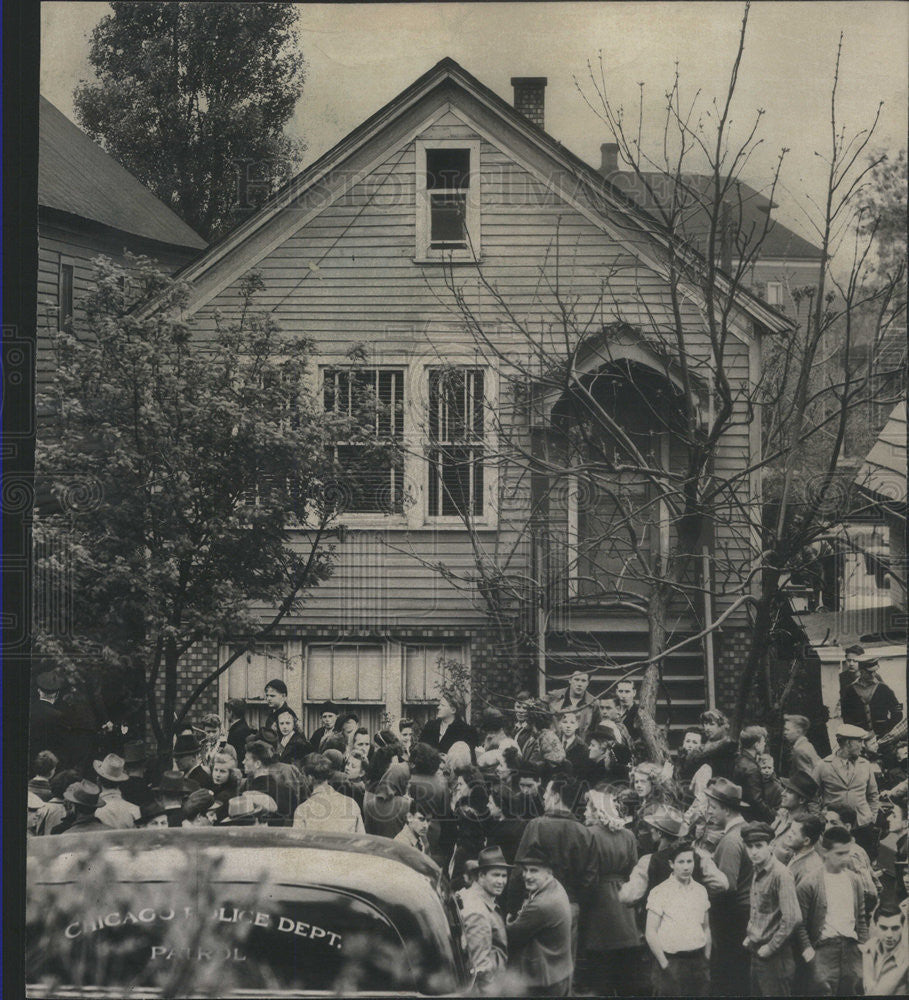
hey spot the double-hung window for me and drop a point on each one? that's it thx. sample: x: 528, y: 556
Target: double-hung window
x: 456, y: 442
x: 371, y: 475
x: 448, y: 200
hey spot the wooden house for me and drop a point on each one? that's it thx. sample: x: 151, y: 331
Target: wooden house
x: 449, y: 186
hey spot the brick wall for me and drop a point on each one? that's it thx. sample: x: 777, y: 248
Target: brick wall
x: 730, y: 651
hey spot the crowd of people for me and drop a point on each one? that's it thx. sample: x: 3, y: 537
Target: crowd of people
x: 580, y: 866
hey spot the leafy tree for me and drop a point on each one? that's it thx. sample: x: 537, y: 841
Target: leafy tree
x: 194, y: 487
x: 192, y: 98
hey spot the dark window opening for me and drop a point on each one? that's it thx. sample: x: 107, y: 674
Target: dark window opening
x: 65, y: 314
x: 447, y: 181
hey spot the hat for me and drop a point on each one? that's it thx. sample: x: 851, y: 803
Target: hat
x: 48, y: 681
x: 134, y: 752
x: 243, y: 807
x: 847, y: 732
x: 267, y: 803
x: 855, y: 650
x: 492, y: 857
x: 329, y: 706
x: 533, y: 854
x: 802, y: 784
x: 83, y: 793
x: 34, y: 802
x: 726, y: 792
x: 198, y: 802
x: 187, y: 743
x: 528, y: 769
x: 868, y: 663
x: 266, y: 735
x: 151, y: 810
x: 111, y: 768
x: 603, y: 732
x: 668, y: 820
x: 173, y: 783
x: 754, y: 832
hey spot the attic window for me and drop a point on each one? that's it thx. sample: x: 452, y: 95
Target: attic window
x: 447, y: 200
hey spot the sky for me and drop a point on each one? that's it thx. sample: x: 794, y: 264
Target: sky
x: 359, y: 56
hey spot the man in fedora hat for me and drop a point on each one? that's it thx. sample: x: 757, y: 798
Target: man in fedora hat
x: 173, y: 789
x: 47, y: 728
x: 83, y: 797
x: 802, y: 755
x: 137, y: 787
x: 114, y: 811
x: 153, y: 815
x: 800, y: 792
x: 196, y: 806
x: 729, y: 911
x: 484, y: 929
x: 188, y: 759
x: 774, y: 915
x: 847, y: 779
x: 246, y: 810
x: 539, y: 934
x: 870, y: 703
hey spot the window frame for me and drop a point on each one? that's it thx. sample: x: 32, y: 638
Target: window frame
x: 777, y: 286
x: 424, y: 253
x: 62, y: 325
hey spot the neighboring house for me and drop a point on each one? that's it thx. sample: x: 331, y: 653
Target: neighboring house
x: 785, y: 261
x: 870, y: 572
x: 360, y: 249
x: 88, y: 205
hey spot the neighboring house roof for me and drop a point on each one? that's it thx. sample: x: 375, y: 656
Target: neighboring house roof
x: 779, y: 243
x: 883, y: 473
x: 447, y: 71
x: 76, y: 176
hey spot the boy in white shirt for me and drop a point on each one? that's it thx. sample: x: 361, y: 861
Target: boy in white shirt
x: 678, y: 929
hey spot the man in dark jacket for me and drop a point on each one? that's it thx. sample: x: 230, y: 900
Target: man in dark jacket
x: 83, y: 797
x: 565, y: 841
x: 47, y: 724
x: 188, y: 759
x: 238, y: 729
x: 328, y: 716
x: 720, y: 750
x: 747, y: 772
x: 539, y: 934
x: 869, y: 703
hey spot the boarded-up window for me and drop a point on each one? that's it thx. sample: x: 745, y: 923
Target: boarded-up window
x: 251, y: 671
x: 423, y: 677
x: 345, y: 673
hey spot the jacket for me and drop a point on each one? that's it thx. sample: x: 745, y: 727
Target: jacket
x: 812, y: 898
x: 734, y: 863
x: 881, y: 713
x: 236, y: 736
x: 484, y: 931
x: 569, y: 846
x: 588, y: 710
x: 605, y: 922
x: 855, y: 786
x: 295, y: 750
x: 719, y: 754
x: 539, y: 937
x: 458, y: 731
x: 327, y: 811
x: 803, y: 757
x: 747, y: 774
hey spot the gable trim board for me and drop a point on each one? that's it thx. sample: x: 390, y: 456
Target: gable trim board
x: 445, y: 73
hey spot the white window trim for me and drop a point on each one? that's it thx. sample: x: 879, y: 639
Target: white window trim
x: 422, y: 252
x: 779, y: 293
x: 415, y: 516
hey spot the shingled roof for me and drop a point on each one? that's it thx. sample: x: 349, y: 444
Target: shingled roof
x: 76, y: 176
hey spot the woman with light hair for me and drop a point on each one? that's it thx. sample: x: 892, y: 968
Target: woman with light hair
x: 610, y: 942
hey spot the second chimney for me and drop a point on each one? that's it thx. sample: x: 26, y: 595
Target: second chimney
x: 609, y: 158
x: 529, y: 97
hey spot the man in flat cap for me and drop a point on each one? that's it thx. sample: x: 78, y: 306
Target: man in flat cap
x: 539, y: 934
x: 774, y: 914
x: 868, y: 702
x: 846, y: 779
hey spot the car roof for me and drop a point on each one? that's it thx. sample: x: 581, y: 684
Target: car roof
x: 346, y: 856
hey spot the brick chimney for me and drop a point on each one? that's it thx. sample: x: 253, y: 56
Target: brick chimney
x: 529, y: 97
x: 609, y: 158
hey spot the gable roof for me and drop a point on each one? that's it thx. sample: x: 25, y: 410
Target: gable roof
x: 779, y: 243
x: 76, y: 176
x: 449, y: 71
x: 883, y: 473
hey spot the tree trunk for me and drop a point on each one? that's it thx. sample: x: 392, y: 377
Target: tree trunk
x: 657, y: 751
x: 757, y: 652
